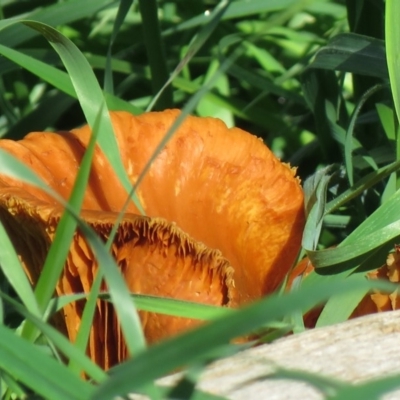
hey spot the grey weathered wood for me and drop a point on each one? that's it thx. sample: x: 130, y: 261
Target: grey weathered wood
x: 353, y: 351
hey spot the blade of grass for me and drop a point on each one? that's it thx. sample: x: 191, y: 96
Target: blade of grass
x: 349, y: 52
x: 392, y: 40
x: 59, y: 249
x: 348, y: 148
x: 9, y: 384
x: 51, y: 380
x: 62, y: 343
x: 195, y: 45
x: 315, y: 188
x: 14, y: 273
x: 55, y: 14
x: 363, y: 184
x: 155, y: 53
x: 238, y: 9
x: 59, y: 79
x: 372, y: 389
x: 123, y: 9
x: 162, y: 305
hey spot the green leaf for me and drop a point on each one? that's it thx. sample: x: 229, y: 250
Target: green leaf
x: 38, y: 371
x: 60, y: 341
x: 162, y: 305
x: 13, y: 271
x: 56, y: 14
x: 358, y: 54
x: 392, y: 38
x: 315, y: 188
x: 372, y: 389
x: 195, y: 45
x: 123, y: 10
x: 59, y: 79
x: 156, y: 54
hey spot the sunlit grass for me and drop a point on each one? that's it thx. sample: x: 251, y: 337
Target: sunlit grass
x: 279, y: 69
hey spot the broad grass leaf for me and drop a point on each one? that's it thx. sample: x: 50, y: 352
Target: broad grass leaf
x: 350, y: 52
x: 55, y: 14
x: 51, y: 380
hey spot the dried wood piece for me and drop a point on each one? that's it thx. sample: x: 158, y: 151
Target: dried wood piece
x: 354, y: 351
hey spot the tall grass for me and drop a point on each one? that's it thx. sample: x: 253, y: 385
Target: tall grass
x: 293, y: 72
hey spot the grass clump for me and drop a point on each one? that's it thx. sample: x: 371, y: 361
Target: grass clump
x: 312, y: 78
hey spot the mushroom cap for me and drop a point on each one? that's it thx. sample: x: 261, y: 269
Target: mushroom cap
x: 218, y: 192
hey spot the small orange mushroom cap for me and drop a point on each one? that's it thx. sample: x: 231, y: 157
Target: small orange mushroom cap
x: 224, y: 215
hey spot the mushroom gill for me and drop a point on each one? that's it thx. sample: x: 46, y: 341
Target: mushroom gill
x: 224, y: 217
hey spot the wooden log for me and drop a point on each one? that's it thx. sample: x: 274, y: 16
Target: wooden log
x: 353, y: 351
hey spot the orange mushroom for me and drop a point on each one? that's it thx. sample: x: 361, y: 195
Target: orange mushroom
x: 223, y: 226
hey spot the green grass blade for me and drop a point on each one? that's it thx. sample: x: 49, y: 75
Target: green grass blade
x: 348, y: 148
x: 315, y: 188
x: 194, y: 47
x: 155, y: 53
x: 15, y: 274
x: 59, y: 79
x: 65, y: 230
x: 372, y: 389
x: 241, y: 8
x: 363, y: 184
x: 392, y: 39
x: 358, y: 54
x: 162, y: 305
x: 179, y: 308
x: 60, y: 341
x: 38, y: 371
x: 123, y: 9
x: 56, y: 14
